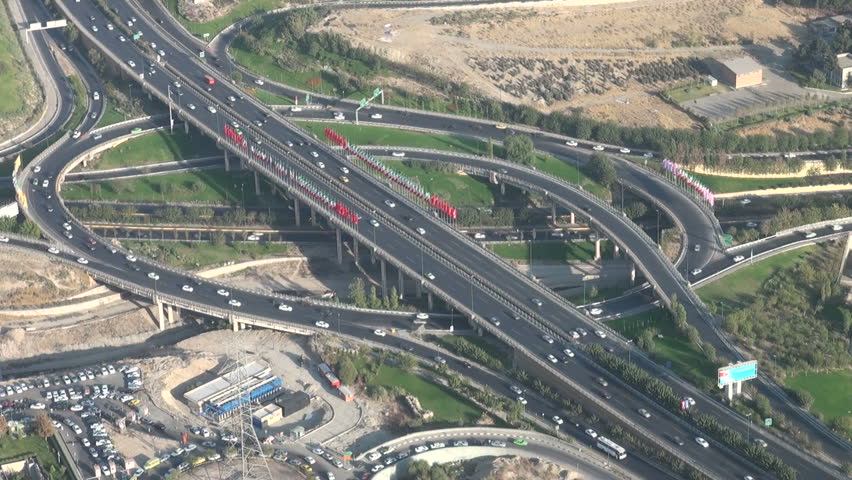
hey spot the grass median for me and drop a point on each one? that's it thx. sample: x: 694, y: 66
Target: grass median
x: 396, y: 137
x: 832, y: 391
x: 193, y: 255
x: 156, y: 147
x: 13, y: 448
x: 551, y: 251
x: 459, y: 189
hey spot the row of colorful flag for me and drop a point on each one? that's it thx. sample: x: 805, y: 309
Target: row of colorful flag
x: 413, y: 187
x: 689, y: 180
x: 285, y: 173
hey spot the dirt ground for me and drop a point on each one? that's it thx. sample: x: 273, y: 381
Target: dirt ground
x: 32, y: 279
x: 801, y: 125
x: 122, y: 330
x: 605, y: 56
x: 514, y: 468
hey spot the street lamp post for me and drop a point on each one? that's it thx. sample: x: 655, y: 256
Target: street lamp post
x: 748, y: 422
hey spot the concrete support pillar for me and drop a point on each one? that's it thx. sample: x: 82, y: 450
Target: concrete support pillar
x: 186, y: 128
x: 418, y: 290
x: 598, y: 249
x: 227, y: 162
x: 503, y: 188
x: 632, y: 273
x: 235, y: 325
x: 739, y: 388
x: 170, y: 314
x: 339, y: 247
x: 572, y: 218
x: 161, y: 318
x: 400, y: 289
x: 256, y: 183
x: 85, y: 161
x: 615, y: 251
x: 384, y: 266
x: 430, y: 303
x: 373, y: 256
x: 313, y: 217
x: 297, y: 212
x: 553, y: 212
x: 730, y: 392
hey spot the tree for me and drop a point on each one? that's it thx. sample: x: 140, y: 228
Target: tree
x: 218, y: 238
x: 4, y: 426
x: 43, y: 426
x: 601, y: 169
x: 407, y: 362
x: 490, y: 150
x: 393, y: 300
x: 237, y: 76
x: 519, y: 149
x: 29, y: 229
x: 348, y: 372
x: 357, y: 294
x: 375, y: 301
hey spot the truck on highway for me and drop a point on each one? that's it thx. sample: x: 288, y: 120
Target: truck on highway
x: 210, y: 80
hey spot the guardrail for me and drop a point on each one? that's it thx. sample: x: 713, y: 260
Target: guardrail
x: 813, y: 226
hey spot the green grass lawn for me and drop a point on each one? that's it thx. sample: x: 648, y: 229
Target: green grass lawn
x: 206, y: 186
x: 832, y: 391
x: 362, y: 135
x: 15, y: 74
x: 691, y: 92
x: 271, y: 98
x: 736, y: 290
x: 156, y: 147
x: 496, y: 352
x: 722, y: 184
x: 241, y: 9
x: 193, y: 255
x: 111, y: 116
x: 570, y: 174
x: 686, y: 359
x: 551, y: 251
x: 602, y: 294
x: 458, y: 189
x: 448, y: 407
x: 12, y: 448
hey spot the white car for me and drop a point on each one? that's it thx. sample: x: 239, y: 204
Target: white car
x: 258, y: 81
x: 94, y: 28
x: 547, y: 338
x: 285, y: 308
x: 252, y: 238
x: 591, y: 433
x: 420, y: 230
x: 76, y: 408
x: 745, y: 201
x: 161, y: 53
x: 644, y: 413
x: 697, y: 272
x: 810, y: 234
x: 187, y: 288
x: 648, y: 155
x: 430, y: 275
x: 600, y: 333
x: 190, y: 106
x: 568, y: 352
x: 4, y: 239
x: 624, y: 150
x: 837, y: 228
x: 130, y: 258
x: 153, y: 276
x: 211, y: 109
x: 379, y: 332
x: 321, y: 324
x: 398, y: 154
x: 521, y: 400
x: 344, y: 169
x: 702, y: 442
x: 122, y: 39
x: 598, y: 148
x: 494, y: 321
x: 37, y: 168
x: 557, y: 420
x: 573, y: 334
x: 515, y: 389
x: 390, y: 203
x: 571, y: 143
x: 374, y: 222
x: 320, y: 165
x: 552, y: 359
x: 37, y: 406
x: 315, y: 155
x: 131, y: 63
x: 295, y: 109
x: 376, y: 116
x: 223, y: 292
x: 582, y: 331
x: 374, y: 456
x: 739, y: 258
x: 82, y: 261
x: 76, y: 134
x: 422, y: 316
x: 234, y: 302
x: 596, y: 311
x: 479, y: 236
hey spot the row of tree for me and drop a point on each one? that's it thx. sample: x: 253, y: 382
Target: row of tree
x: 360, y: 298
x: 25, y: 227
x: 105, y: 212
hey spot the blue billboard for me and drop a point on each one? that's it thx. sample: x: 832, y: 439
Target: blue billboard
x: 737, y: 372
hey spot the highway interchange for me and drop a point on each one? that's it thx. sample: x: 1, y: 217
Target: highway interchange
x: 396, y: 241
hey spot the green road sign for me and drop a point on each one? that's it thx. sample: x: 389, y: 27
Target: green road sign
x: 728, y: 239
x: 377, y: 92
x: 363, y: 102
x: 307, y: 98
x: 137, y: 36
x: 767, y: 422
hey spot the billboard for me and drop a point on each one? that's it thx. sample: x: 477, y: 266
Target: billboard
x: 737, y: 373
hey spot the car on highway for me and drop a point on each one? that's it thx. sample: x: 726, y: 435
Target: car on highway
x: 568, y: 352
x: 602, y: 381
x: 390, y: 203
x: 598, y: 148
x: 702, y: 442
x: 551, y: 358
x: 582, y: 331
x: 315, y: 155
x: 494, y: 321
x: 153, y: 276
x: 479, y: 236
x: 648, y: 155
x: 379, y: 332
x: 223, y: 292
x: 537, y: 302
x: 520, y: 442
x: 600, y: 333
x: 557, y: 420
x: 131, y: 63
x: 677, y: 440
x: 745, y: 201
x: 751, y: 224
x: 398, y: 154
x: 76, y: 134
x: 500, y: 126
x: 521, y: 400
x: 547, y: 339
x: 321, y: 324
x: 761, y: 442
x: 430, y: 275
x: 122, y: 38
x: 232, y: 99
x: 739, y: 258
x: 595, y: 311
x: 52, y: 250
x: 644, y: 413
x: 810, y: 234
x: 571, y: 143
x: 376, y: 116
x: 258, y: 81
x: 420, y: 230
x: 211, y: 109
x: 234, y: 302
x: 374, y: 222
x: 285, y: 307
x: 624, y: 150
x: 837, y: 228
x: 591, y: 433
x: 344, y: 179
x: 82, y: 261
x: 187, y: 288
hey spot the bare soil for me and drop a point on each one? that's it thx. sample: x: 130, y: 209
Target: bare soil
x: 516, y: 468
x: 576, y: 53
x: 803, y: 124
x: 31, y: 279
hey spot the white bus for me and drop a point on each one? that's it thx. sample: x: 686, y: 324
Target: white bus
x: 611, y: 448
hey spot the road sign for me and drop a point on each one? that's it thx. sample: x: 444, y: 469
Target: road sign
x: 737, y: 373
x: 377, y: 92
x: 767, y: 422
x: 201, y: 53
x: 363, y: 102
x: 205, y: 36
x: 728, y: 239
x: 137, y: 36
x: 307, y: 98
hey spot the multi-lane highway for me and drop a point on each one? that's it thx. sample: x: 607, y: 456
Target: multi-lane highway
x: 456, y: 272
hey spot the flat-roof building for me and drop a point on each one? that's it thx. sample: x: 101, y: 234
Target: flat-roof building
x: 266, y: 416
x: 841, y: 76
x: 291, y: 403
x: 741, y: 72
x: 219, y: 397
